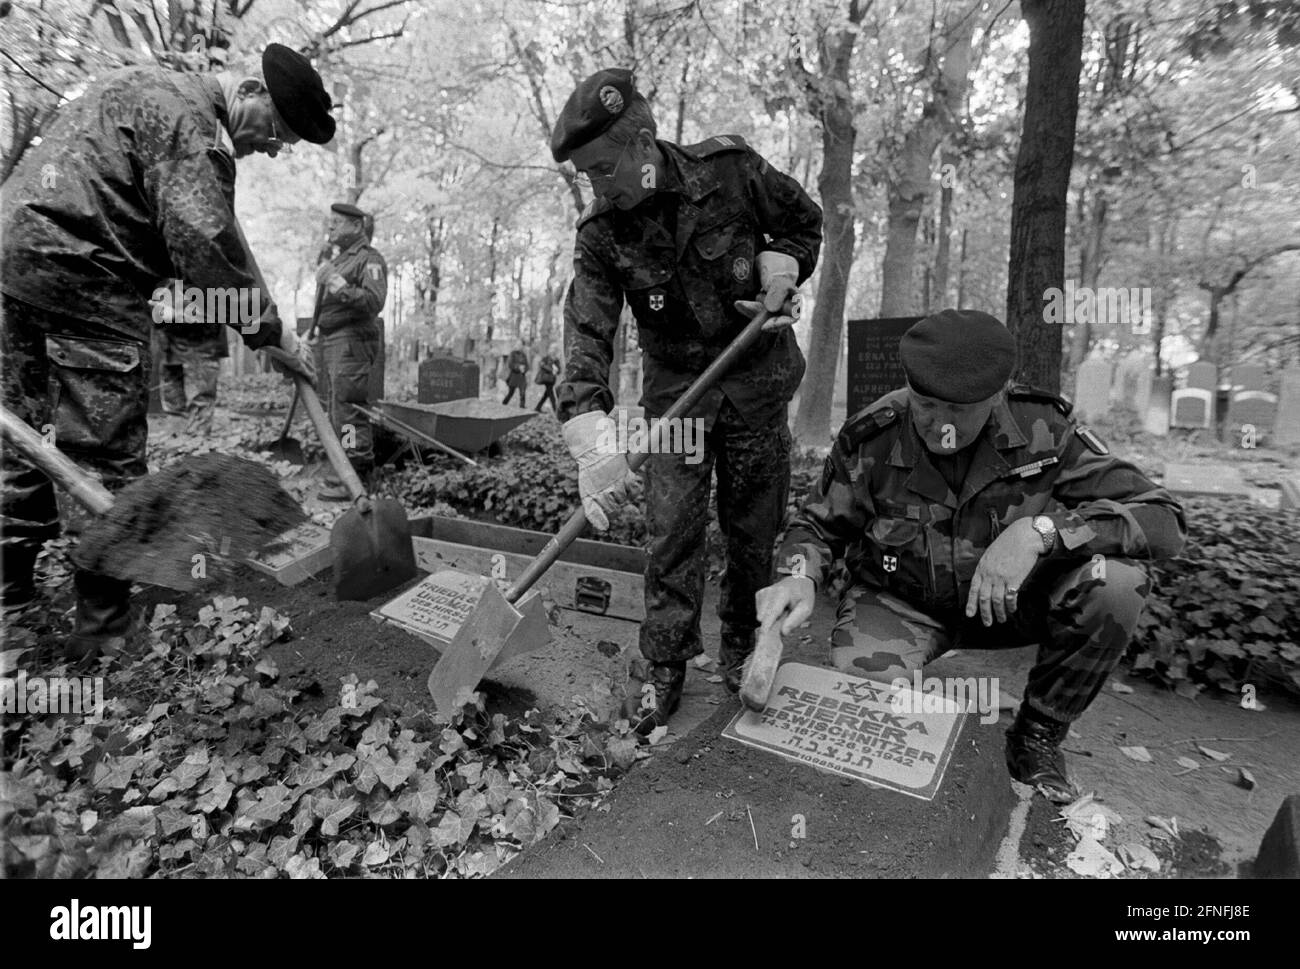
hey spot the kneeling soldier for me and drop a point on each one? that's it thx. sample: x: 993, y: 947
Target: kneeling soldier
x: 976, y: 515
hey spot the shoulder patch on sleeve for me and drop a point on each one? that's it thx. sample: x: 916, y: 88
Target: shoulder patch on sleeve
x: 863, y: 426
x: 1026, y: 392
x: 597, y: 206
x: 717, y: 144
x: 1093, y: 442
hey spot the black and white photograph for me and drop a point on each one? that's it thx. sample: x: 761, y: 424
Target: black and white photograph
x: 650, y: 440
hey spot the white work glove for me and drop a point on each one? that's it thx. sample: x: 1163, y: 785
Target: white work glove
x: 602, y: 468
x: 290, y: 356
x: 794, y: 597
x: 778, y: 274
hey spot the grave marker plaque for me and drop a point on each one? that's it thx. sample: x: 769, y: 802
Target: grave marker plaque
x: 444, y: 378
x: 873, y: 366
x: 849, y: 725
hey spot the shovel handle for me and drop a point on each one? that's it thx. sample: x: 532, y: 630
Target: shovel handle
x: 86, y: 490
x: 325, y: 431
x: 680, y: 408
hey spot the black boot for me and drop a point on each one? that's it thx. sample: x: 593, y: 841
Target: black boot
x: 18, y: 573
x: 732, y: 654
x: 1034, y: 754
x: 103, y: 616
x: 645, y: 709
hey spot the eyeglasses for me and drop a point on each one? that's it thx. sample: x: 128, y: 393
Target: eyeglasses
x: 592, y: 179
x: 276, y: 143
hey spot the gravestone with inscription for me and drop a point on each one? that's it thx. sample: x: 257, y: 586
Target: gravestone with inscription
x: 1193, y: 406
x: 873, y: 366
x: 443, y: 377
x: 1252, y: 410
x: 1092, y: 388
x: 1287, y: 428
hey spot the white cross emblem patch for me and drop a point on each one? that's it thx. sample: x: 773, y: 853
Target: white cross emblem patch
x: 891, y: 563
x: 656, y: 301
x: 740, y: 269
x: 374, y: 270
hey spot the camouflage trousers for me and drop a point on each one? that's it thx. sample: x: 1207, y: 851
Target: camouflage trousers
x: 753, y: 472
x: 343, y: 380
x: 1081, y: 616
x: 187, y: 379
x: 88, y: 393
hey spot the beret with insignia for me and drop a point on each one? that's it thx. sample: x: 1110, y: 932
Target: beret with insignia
x: 591, y: 110
x: 959, y: 356
x: 298, y: 93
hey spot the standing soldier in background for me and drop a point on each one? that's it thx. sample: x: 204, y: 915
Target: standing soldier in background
x: 546, y: 371
x: 133, y: 182
x: 517, y: 376
x: 979, y: 516
x: 689, y: 237
x: 189, y: 366
x: 351, y: 290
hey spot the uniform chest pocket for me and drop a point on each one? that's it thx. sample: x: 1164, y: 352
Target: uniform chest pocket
x: 895, y: 532
x: 728, y: 252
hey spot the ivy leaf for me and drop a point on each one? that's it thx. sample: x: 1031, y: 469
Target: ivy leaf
x: 622, y: 751
x: 392, y: 774
x: 341, y: 853
x: 171, y: 820
x: 281, y: 850
x: 420, y: 803
x: 114, y: 773
x: 451, y: 831
x: 272, y: 805
x: 300, y: 867
x: 333, y: 812
x: 496, y: 789
x: 376, y: 854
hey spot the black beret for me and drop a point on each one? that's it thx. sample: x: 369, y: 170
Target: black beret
x: 591, y: 110
x: 298, y: 94
x: 959, y: 356
x: 347, y: 208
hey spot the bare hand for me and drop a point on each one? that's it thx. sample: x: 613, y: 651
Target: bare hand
x: 1002, y: 571
x: 797, y: 593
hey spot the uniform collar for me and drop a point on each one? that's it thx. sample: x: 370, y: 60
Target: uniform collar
x: 1001, y: 435
x: 353, y: 249
x: 686, y: 174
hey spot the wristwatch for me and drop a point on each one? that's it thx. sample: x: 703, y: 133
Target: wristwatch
x: 1046, y: 529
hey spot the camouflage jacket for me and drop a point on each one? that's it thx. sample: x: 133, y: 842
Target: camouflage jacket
x: 727, y: 204
x: 885, y: 508
x: 133, y: 184
x: 358, y: 303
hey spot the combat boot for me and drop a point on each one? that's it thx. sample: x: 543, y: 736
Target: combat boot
x: 647, y: 709
x: 732, y: 653
x: 1034, y: 754
x: 103, y: 616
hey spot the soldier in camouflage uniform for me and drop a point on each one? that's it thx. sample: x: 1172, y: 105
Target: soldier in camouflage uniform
x: 132, y: 185
x: 689, y: 238
x: 352, y: 287
x: 973, y: 516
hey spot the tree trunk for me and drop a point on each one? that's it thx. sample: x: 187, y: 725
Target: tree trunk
x: 943, y: 244
x: 830, y: 100
x: 1038, y: 210
x: 909, y: 185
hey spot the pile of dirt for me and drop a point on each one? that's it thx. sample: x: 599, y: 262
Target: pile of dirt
x: 216, y: 506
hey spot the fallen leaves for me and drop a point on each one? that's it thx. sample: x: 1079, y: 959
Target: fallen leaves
x: 1140, y: 754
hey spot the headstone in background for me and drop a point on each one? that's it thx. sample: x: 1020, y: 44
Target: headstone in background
x: 1155, y: 418
x: 1141, y: 399
x: 1252, y: 404
x: 1193, y: 406
x: 1092, y: 388
x: 441, y: 378
x: 1287, y: 424
x: 1128, y: 376
x: 872, y: 365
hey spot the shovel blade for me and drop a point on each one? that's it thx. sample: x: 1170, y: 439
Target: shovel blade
x: 372, y: 550
x: 473, y: 649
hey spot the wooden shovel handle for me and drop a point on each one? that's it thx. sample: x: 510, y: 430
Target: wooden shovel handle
x: 325, y: 431
x: 680, y: 408
x: 85, y: 489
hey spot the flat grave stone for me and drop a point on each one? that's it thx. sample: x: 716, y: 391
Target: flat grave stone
x: 845, y: 724
x: 1205, y: 479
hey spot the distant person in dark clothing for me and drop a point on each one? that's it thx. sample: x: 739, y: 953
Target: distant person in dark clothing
x: 517, y: 377
x: 546, y: 371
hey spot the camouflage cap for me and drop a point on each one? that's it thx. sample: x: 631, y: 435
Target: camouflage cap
x: 298, y: 93
x: 960, y: 356
x: 592, y: 109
